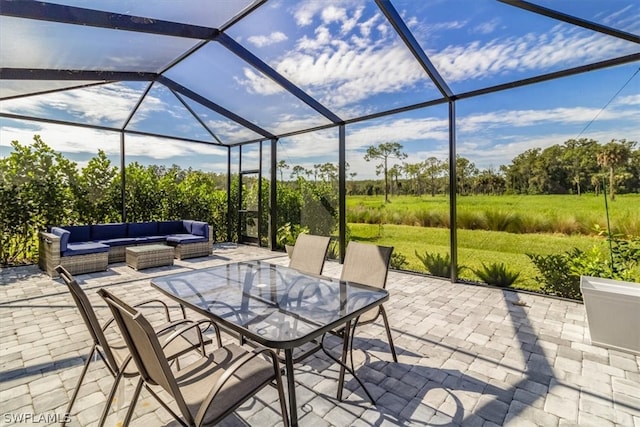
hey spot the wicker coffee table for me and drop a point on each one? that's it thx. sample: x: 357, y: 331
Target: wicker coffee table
x: 147, y: 256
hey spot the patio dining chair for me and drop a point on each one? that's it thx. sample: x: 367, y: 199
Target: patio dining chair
x: 368, y: 265
x: 309, y: 253
x: 208, y: 389
x: 114, y: 352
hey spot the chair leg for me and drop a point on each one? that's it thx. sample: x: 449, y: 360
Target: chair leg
x: 107, y: 405
x: 132, y: 405
x: 386, y: 326
x: 77, y: 389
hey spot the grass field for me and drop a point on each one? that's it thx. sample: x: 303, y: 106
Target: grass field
x: 567, y: 214
x: 573, y: 215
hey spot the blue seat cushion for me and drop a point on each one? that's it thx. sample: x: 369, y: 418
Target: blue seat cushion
x: 142, y: 229
x: 170, y: 227
x: 151, y: 239
x: 85, y: 248
x: 79, y: 233
x: 176, y: 239
x: 200, y: 228
x: 64, y: 237
x: 108, y: 231
x: 122, y: 241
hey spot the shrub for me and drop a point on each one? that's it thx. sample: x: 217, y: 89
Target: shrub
x: 556, y: 275
x: 288, y: 234
x: 398, y: 261
x: 497, y: 274
x: 498, y: 220
x: 620, y: 264
x: 437, y: 264
x: 471, y: 220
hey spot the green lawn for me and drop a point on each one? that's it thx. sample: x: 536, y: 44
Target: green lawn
x: 476, y: 247
x: 559, y: 213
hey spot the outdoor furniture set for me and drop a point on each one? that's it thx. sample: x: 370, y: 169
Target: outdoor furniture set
x: 268, y: 306
x: 88, y: 248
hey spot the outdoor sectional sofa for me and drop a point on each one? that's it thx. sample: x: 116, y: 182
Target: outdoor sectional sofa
x: 88, y: 248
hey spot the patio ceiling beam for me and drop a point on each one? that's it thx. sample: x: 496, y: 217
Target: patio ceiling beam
x: 196, y: 116
x: 265, y: 69
x: 61, y: 89
x: 243, y: 13
x: 410, y: 41
x: 97, y: 18
x: 93, y: 75
x: 213, y: 106
x: 540, y: 10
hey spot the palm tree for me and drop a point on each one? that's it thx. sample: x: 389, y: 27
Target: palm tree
x: 612, y: 156
x: 383, y: 152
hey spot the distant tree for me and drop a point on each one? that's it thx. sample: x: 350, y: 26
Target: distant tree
x: 297, y: 172
x: 520, y: 174
x: 613, y: 156
x: 281, y: 166
x: 433, y: 169
x: 465, y: 172
x: 328, y: 172
x: 384, y: 152
x: 579, y: 160
x: 414, y: 172
x: 395, y: 172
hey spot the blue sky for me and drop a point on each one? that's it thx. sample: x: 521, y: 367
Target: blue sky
x: 347, y: 56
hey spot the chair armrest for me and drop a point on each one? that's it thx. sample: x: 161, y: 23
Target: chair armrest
x: 187, y: 325
x: 166, y: 307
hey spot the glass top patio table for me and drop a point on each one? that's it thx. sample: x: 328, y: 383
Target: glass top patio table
x: 275, y: 306
x: 272, y: 305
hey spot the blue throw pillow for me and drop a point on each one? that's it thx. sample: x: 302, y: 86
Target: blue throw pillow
x: 64, y: 237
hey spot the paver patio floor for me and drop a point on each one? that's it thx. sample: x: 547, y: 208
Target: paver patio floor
x: 468, y: 355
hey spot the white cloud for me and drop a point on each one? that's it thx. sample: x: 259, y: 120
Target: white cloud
x: 524, y: 118
x: 275, y: 37
x: 86, y: 105
x: 333, y: 14
x: 257, y: 83
x: 562, y: 47
x: 344, y: 65
x: 486, y: 27
x: 629, y: 100
x: 79, y: 140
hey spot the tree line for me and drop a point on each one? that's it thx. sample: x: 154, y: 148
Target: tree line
x: 574, y: 167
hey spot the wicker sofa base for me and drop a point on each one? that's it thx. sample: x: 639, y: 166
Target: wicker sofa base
x: 78, y: 264
x: 117, y: 254
x: 193, y: 250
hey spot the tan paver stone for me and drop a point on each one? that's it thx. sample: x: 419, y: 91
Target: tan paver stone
x: 468, y: 356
